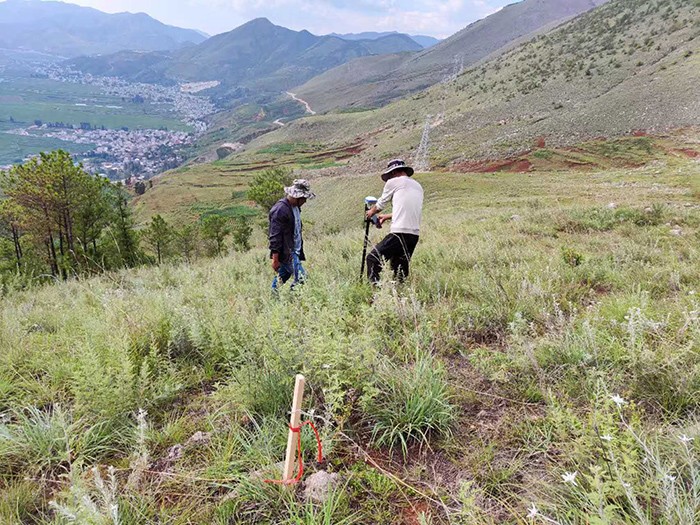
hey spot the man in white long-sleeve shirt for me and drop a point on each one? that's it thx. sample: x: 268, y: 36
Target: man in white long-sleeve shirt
x: 406, y: 197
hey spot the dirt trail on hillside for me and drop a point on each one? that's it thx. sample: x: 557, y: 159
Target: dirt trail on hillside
x: 308, y: 107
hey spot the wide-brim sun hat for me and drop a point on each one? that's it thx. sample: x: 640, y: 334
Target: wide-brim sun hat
x: 394, y: 165
x: 300, y: 189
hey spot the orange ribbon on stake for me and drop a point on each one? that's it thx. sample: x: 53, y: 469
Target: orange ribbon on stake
x: 297, y: 430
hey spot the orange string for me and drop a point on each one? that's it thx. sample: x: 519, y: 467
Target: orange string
x: 297, y: 430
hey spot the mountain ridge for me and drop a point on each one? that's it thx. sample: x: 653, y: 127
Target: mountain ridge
x: 371, y: 85
x: 257, y: 55
x: 424, y: 40
x: 69, y: 30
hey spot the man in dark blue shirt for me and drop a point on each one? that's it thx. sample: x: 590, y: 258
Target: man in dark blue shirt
x: 286, y: 241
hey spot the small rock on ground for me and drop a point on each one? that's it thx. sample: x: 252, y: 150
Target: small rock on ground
x: 199, y: 438
x: 319, y: 485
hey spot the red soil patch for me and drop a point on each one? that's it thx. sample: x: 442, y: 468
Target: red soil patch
x: 540, y: 142
x: 579, y: 165
x: 351, y: 151
x: 509, y: 165
x: 639, y: 133
x: 693, y: 154
x: 411, y: 514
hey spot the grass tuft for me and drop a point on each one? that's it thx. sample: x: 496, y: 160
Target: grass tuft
x: 409, y: 404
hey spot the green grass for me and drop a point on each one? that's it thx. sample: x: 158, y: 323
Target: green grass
x: 285, y: 148
x: 490, y: 374
x: 229, y: 211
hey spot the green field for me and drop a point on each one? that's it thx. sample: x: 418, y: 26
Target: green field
x: 26, y: 112
x: 14, y: 148
x: 544, y: 354
x: 29, y: 99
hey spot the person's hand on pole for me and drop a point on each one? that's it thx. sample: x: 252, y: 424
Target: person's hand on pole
x: 276, y: 262
x: 371, y: 212
x: 383, y: 218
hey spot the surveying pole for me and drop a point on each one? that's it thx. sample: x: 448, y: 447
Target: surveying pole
x: 369, y: 202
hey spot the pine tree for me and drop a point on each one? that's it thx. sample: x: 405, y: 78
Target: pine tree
x: 159, y: 235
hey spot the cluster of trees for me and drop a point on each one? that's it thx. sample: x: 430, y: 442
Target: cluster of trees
x: 67, y: 125
x: 208, y: 237
x: 56, y: 219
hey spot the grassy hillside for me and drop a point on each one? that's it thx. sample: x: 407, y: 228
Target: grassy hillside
x: 545, y: 351
x: 180, y: 194
x: 628, y: 65
x: 368, y: 82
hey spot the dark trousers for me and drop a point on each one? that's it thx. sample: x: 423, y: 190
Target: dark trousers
x: 397, y: 248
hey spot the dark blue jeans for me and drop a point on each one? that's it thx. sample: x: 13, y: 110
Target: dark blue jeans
x: 288, y: 270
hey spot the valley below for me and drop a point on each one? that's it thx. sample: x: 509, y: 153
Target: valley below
x: 116, y: 128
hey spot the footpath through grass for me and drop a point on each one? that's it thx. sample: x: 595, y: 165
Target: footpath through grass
x: 542, y: 365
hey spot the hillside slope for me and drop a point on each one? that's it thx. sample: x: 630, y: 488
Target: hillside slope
x: 630, y: 64
x: 368, y: 83
x: 542, y: 334
x: 67, y: 30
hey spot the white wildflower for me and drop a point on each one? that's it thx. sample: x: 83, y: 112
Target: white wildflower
x: 533, y: 512
x: 685, y: 439
x: 570, y: 477
x: 618, y: 400
x: 669, y: 477
x: 626, y: 485
x: 607, y: 437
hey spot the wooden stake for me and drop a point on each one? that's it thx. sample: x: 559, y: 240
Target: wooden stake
x: 294, y: 421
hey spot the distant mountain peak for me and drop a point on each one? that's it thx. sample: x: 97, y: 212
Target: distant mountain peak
x: 259, y: 22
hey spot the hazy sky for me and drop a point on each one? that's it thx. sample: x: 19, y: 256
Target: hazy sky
x: 439, y: 18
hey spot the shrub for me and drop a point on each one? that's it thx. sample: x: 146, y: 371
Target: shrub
x: 571, y: 256
x: 92, y: 504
